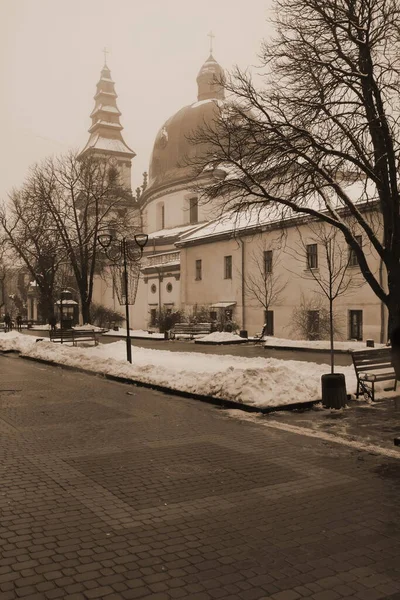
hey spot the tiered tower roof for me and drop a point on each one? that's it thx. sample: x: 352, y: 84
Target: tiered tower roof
x: 105, y: 131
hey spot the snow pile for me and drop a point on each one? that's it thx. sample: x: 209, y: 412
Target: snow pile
x: 88, y: 327
x: 317, y: 345
x: 221, y: 336
x: 17, y: 342
x: 262, y: 382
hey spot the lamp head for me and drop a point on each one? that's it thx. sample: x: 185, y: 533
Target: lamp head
x: 104, y: 240
x: 141, y: 239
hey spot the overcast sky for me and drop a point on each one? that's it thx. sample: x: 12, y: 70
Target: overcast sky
x: 51, y: 57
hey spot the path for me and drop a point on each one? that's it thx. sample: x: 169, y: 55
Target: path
x: 111, y: 491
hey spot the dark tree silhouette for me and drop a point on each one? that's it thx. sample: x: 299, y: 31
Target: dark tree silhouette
x: 320, y: 137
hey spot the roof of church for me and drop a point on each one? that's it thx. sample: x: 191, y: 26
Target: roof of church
x: 106, y: 127
x: 172, y: 150
x: 255, y: 218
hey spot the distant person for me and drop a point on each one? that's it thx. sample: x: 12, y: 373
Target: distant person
x: 8, y: 322
x: 53, y: 323
x: 19, y: 322
x: 395, y: 341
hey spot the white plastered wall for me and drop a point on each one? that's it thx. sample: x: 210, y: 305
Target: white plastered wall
x: 292, y: 270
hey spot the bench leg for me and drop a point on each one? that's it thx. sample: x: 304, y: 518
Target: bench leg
x: 368, y: 392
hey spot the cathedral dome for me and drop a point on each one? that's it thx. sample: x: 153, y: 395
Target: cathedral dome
x: 172, y: 148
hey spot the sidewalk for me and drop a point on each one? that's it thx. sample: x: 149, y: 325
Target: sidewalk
x: 118, y: 493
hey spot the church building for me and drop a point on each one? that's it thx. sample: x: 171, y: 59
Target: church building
x: 196, y: 259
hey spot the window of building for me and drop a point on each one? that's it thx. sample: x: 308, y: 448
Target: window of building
x: 312, y: 256
x: 313, y: 325
x: 169, y: 287
x: 269, y: 322
x: 198, y: 270
x: 213, y: 315
x: 153, y: 317
x: 153, y: 288
x: 193, y: 210
x: 353, y: 260
x: 267, y: 261
x: 228, y: 267
x: 356, y: 324
x: 160, y: 215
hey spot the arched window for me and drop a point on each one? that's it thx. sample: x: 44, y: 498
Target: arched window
x: 160, y: 215
x: 193, y: 210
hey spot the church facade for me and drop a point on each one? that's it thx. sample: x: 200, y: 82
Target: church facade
x: 255, y: 271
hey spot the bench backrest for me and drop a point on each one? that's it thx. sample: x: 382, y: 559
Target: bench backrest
x: 372, y: 360
x: 192, y: 327
x: 66, y: 333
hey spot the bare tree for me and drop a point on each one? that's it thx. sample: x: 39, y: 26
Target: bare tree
x: 309, y: 328
x: 80, y: 198
x: 29, y: 232
x: 262, y: 280
x: 321, y: 138
x: 331, y: 274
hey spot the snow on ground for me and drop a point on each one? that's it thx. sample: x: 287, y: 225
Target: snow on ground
x: 320, y: 344
x: 358, y: 444
x: 220, y: 336
x: 141, y: 333
x: 262, y: 382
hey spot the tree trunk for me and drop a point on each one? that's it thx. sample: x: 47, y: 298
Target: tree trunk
x: 393, y: 303
x: 331, y: 334
x: 45, y: 306
x: 86, y: 311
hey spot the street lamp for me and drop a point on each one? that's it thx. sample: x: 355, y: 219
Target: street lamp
x: 117, y: 249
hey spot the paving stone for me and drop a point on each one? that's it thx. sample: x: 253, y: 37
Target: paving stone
x: 106, y: 503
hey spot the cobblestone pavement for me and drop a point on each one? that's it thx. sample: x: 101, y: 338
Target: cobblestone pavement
x: 117, y: 492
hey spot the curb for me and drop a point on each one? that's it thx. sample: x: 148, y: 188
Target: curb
x: 123, y: 337
x: 231, y: 343
x: 221, y: 402
x: 300, y: 349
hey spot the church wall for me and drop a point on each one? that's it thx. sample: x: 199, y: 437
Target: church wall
x: 176, y: 211
x: 292, y: 271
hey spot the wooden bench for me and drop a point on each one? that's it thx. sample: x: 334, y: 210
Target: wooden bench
x: 190, y: 329
x: 74, y: 336
x: 372, y: 366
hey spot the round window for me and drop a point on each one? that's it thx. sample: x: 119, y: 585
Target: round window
x: 153, y: 288
x: 169, y: 287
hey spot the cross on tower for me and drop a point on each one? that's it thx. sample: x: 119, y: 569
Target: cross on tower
x: 211, y: 36
x: 105, y: 55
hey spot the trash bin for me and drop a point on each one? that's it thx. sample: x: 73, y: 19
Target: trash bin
x: 370, y: 343
x: 243, y: 333
x: 66, y: 324
x: 333, y: 390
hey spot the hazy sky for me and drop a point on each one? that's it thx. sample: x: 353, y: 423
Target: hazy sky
x: 51, y: 57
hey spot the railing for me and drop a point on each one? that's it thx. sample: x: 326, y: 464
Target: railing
x: 161, y: 259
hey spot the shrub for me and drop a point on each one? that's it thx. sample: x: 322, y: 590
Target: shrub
x: 103, y: 316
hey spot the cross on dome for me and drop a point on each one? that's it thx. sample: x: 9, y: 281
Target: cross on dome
x: 211, y: 36
x: 105, y: 51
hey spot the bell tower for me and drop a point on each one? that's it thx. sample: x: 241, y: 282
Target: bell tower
x: 105, y: 132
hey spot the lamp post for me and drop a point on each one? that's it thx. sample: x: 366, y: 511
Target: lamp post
x: 117, y: 249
